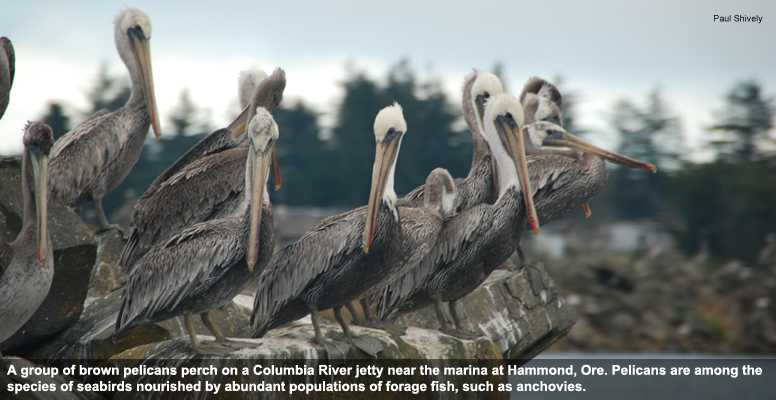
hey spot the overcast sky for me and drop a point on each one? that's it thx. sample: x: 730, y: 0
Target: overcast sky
x: 606, y: 50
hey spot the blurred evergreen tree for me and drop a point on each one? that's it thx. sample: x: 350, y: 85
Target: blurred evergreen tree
x: 569, y: 110
x: 347, y: 183
x: 187, y: 119
x: 57, y: 120
x: 745, y: 123
x: 653, y: 135
x: 110, y: 92
x: 728, y: 206
x: 302, y: 156
x: 430, y: 142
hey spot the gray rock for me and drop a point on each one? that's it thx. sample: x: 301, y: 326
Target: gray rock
x: 520, y: 310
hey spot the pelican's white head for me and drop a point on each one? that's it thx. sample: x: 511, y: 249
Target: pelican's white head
x: 485, y: 86
x: 389, y: 119
x: 130, y: 18
x: 247, y: 83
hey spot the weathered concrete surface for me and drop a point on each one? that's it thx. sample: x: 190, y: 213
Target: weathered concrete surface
x: 74, y: 255
x: 519, y: 309
x: 58, y: 380
x: 293, y: 345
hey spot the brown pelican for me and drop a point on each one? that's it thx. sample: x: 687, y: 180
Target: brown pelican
x: 7, y: 65
x: 94, y: 158
x: 27, y: 263
x: 542, y: 101
x: 248, y: 82
x: 478, y: 186
x: 204, y: 266
x: 476, y: 241
x: 355, y: 255
x: 206, y: 183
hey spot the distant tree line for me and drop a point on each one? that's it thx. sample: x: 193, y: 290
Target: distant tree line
x: 726, y: 204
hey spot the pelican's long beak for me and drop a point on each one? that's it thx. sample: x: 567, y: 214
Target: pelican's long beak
x: 511, y: 135
x: 260, y: 161
x: 385, y: 157
x: 39, y: 164
x: 240, y: 123
x: 142, y: 48
x: 561, y: 138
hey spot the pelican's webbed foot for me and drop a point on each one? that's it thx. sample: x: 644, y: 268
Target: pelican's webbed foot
x: 111, y: 227
x: 221, y: 338
x: 459, y: 333
x: 371, y: 321
x: 104, y: 225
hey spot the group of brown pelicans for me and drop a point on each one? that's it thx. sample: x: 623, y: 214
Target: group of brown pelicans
x: 203, y: 230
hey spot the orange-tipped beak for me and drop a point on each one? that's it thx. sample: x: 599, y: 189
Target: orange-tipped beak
x: 512, y: 136
x: 276, y: 169
x: 587, y: 210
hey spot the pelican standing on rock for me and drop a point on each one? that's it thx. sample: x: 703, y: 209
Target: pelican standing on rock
x: 94, y: 158
x: 353, y: 256
x: 205, y: 183
x: 476, y: 241
x: 209, y: 263
x: 7, y: 65
x: 27, y: 263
